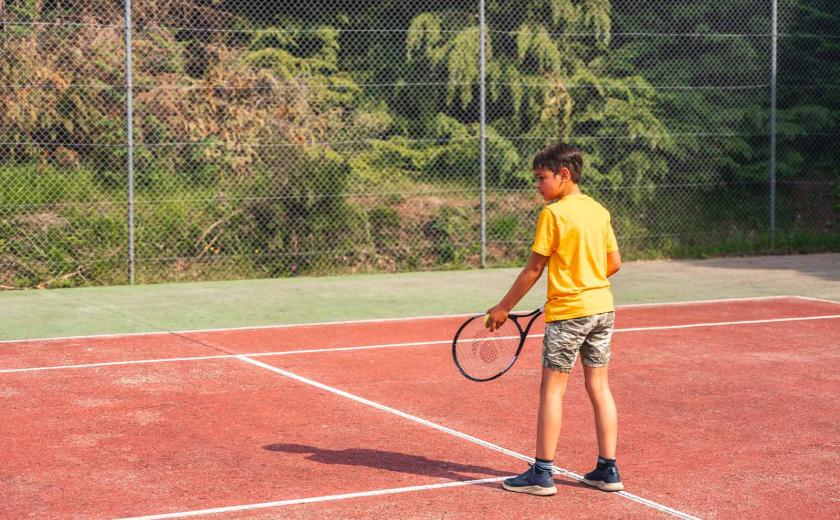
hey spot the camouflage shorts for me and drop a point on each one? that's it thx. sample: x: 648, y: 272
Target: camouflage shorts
x: 589, y: 334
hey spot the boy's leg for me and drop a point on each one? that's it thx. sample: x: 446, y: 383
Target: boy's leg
x: 538, y: 480
x: 595, y: 353
x: 560, y: 348
x: 606, y: 417
x: 552, y: 389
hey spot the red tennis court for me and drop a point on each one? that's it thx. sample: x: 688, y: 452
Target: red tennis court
x: 726, y: 408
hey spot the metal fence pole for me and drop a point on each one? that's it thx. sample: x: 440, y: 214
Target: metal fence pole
x: 483, y: 135
x: 773, y: 63
x: 130, y: 135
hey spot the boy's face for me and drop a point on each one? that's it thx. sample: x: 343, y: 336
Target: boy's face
x: 551, y: 185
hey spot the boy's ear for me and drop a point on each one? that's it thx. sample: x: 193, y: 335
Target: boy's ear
x: 564, y: 173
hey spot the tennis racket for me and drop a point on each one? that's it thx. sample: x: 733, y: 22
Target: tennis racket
x: 482, y: 355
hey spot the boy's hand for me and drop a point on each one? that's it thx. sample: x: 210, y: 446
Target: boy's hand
x: 496, y: 316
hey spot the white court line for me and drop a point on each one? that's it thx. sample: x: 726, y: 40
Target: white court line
x: 395, y: 345
x: 228, y: 356
x: 456, y: 433
x: 295, y: 501
x: 727, y: 323
x: 696, y: 302
x: 812, y: 299
x: 379, y: 320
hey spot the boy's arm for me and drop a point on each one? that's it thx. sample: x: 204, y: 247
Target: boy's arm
x: 613, y: 263
x: 526, y: 279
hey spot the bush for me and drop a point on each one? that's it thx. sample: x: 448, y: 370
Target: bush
x: 451, y: 234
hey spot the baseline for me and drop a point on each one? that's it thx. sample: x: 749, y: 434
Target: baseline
x: 312, y: 500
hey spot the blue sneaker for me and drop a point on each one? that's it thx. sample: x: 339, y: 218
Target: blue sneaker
x: 605, y: 478
x: 531, y: 482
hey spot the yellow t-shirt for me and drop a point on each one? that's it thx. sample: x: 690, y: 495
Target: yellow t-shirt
x: 576, y: 234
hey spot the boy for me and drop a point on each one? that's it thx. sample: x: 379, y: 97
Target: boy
x: 575, y: 239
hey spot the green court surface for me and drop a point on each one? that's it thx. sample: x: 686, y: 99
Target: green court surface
x: 149, y: 308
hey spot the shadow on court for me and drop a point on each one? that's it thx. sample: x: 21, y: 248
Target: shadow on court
x: 400, y: 463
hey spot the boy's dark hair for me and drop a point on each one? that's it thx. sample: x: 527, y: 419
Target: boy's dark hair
x: 557, y: 155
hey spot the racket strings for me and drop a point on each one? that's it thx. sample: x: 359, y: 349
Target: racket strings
x: 482, y: 354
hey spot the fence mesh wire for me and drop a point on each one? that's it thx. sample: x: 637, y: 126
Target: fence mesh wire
x: 293, y: 138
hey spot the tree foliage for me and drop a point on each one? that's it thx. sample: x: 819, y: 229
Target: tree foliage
x: 317, y: 105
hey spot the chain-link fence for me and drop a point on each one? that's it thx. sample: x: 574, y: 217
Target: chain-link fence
x: 213, y: 139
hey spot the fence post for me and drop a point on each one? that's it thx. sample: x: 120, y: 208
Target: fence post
x: 483, y: 135
x: 773, y: 64
x: 129, y: 109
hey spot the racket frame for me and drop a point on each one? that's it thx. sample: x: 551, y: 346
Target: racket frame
x: 523, y: 335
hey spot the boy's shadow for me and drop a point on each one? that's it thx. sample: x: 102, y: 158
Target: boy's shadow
x: 398, y: 462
